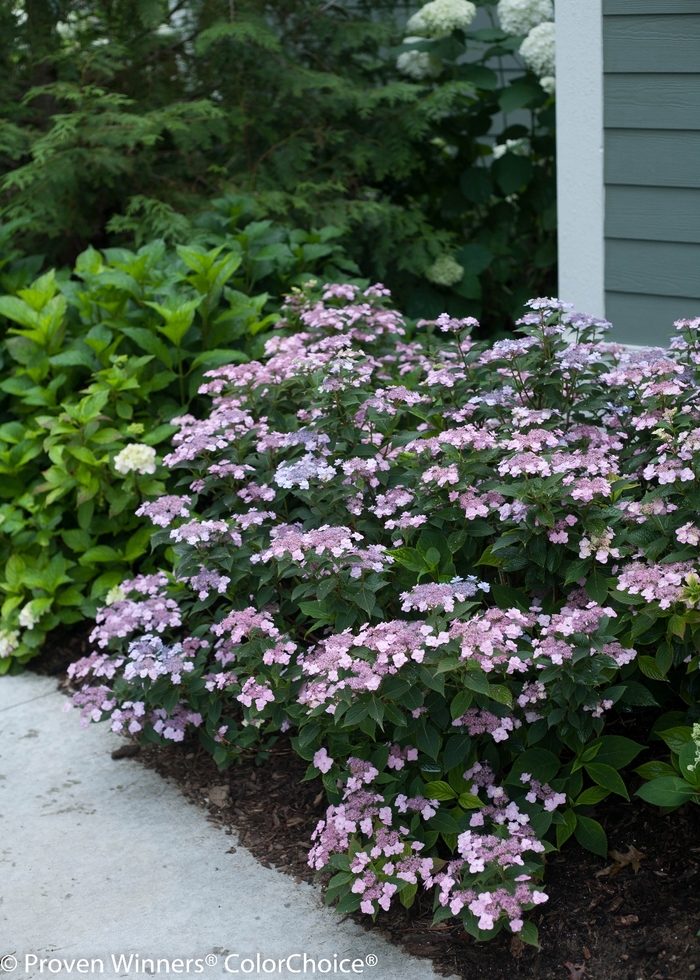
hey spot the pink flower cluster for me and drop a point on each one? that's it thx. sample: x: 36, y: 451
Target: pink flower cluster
x: 664, y: 584
x: 324, y: 550
x: 164, y: 510
x: 477, y: 722
x: 358, y: 663
x: 155, y: 613
x: 435, y: 596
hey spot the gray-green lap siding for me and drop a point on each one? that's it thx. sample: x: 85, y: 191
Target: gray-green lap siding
x: 651, y: 51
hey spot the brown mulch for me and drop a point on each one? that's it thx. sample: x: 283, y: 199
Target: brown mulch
x: 618, y: 925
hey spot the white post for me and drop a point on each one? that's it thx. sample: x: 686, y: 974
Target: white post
x: 580, y: 186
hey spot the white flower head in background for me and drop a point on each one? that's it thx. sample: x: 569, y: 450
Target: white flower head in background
x: 27, y: 619
x: 445, y: 271
x: 419, y: 65
x: 549, y: 84
x: 520, y: 16
x: 136, y: 458
x: 538, y: 50
x: 9, y: 641
x: 520, y: 147
x: 115, y: 594
x: 440, y: 17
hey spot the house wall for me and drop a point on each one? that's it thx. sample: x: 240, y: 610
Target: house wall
x: 651, y: 99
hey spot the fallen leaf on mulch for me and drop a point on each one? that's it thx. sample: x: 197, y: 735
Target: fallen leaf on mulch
x: 633, y: 857
x: 218, y: 795
x: 626, y: 920
x: 517, y: 947
x: 575, y: 971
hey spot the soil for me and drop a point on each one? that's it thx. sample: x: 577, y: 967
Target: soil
x: 618, y: 924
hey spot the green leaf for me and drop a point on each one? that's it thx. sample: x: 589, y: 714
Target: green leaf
x: 664, y: 658
x: 615, y: 750
x: 355, y: 715
x: 348, y: 903
x: 607, y: 777
x: 137, y: 544
x: 460, y: 703
x: 15, y: 569
x: 650, y: 668
x: 100, y: 553
x: 468, y: 801
x: 597, y: 586
x: 689, y: 762
x: 638, y: 695
x: 434, y: 683
x: 591, y: 796
x: 528, y: 933
x: 443, y: 822
x: 501, y: 694
x: 512, y: 173
x: 542, y: 765
x: 407, y: 895
x: 148, y: 341
x: 83, y: 454
x: 476, y: 185
x: 591, y: 835
x: 410, y: 558
x: 666, y: 791
x: 507, y: 597
x: 676, y: 737
x: 566, y: 829
x: 439, y: 790
x: 489, y: 558
x: 218, y: 357
x: 456, y: 750
x: 474, y: 258
x: 76, y: 540
x: 676, y: 625
x: 428, y: 740
x: 520, y: 94
x: 654, y: 769
x: 476, y: 682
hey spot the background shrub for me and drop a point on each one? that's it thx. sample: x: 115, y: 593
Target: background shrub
x: 101, y: 361
x: 124, y: 119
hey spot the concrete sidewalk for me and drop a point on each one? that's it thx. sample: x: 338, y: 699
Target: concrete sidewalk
x: 102, y: 859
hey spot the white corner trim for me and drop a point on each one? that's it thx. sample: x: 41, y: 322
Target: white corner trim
x: 580, y: 182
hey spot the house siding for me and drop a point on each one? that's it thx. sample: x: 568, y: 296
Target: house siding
x: 651, y: 93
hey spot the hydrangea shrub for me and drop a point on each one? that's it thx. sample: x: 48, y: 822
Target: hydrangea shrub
x: 442, y: 568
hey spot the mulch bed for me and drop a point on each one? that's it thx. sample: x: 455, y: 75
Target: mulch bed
x: 619, y: 926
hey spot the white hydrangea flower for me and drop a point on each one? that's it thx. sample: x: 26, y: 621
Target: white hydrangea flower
x: 520, y: 147
x: 445, y: 271
x: 27, y: 619
x: 695, y: 735
x: 549, y: 84
x: 137, y: 458
x: 538, y: 49
x: 441, y: 17
x: 520, y: 16
x: 115, y: 594
x: 419, y: 65
x: 9, y: 641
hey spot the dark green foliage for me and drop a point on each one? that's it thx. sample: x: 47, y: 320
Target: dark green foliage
x: 120, y: 120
